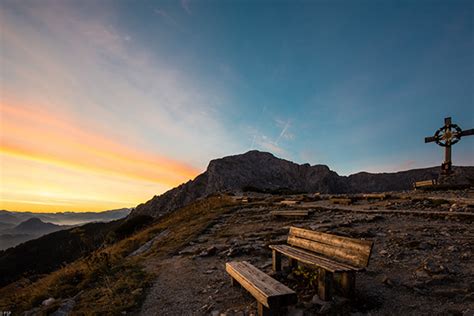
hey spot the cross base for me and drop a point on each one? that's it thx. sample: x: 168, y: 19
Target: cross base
x: 446, y: 168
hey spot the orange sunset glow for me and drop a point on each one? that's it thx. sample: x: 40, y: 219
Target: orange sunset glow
x: 55, y: 165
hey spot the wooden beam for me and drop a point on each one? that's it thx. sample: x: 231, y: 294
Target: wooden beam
x: 447, y: 154
x: 430, y: 139
x: 467, y: 132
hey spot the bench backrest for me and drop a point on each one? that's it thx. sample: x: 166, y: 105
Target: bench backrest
x: 343, y: 249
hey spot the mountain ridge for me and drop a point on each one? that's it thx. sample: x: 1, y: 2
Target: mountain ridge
x: 263, y: 172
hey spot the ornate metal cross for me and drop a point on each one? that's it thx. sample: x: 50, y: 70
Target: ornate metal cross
x: 447, y: 136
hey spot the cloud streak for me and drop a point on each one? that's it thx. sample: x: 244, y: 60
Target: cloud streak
x: 283, y: 133
x: 42, y: 150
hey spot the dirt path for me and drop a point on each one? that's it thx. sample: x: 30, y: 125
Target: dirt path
x: 193, y: 282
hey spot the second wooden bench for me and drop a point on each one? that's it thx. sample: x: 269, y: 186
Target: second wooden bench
x: 335, y: 256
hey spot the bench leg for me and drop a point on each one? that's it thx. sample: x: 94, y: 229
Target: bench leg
x: 262, y: 310
x: 276, y: 261
x: 233, y: 282
x: 325, y: 279
x: 265, y: 311
x: 348, y: 283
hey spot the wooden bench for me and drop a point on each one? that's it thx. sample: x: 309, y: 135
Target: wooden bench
x: 336, y: 258
x: 425, y: 184
x: 270, y: 294
x: 342, y: 201
x: 289, y: 202
x: 375, y: 196
x: 302, y: 213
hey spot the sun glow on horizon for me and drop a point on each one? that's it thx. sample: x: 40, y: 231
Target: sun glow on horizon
x: 50, y: 164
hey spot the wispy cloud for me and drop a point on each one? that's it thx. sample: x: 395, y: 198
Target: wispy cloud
x: 268, y: 145
x: 165, y: 16
x: 284, y: 131
x: 263, y: 142
x: 185, y: 6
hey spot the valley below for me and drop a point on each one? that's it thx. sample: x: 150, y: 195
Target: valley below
x: 20, y: 227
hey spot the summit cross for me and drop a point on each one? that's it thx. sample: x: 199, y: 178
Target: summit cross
x: 446, y: 136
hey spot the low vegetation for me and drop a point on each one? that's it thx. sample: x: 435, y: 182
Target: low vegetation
x: 108, y: 280
x: 50, y: 252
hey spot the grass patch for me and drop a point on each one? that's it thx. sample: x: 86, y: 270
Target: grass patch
x: 189, y: 222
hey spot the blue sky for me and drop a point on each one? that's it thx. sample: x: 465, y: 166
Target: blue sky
x: 352, y: 84
x: 355, y: 85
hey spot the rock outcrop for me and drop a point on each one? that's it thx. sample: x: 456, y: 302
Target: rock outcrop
x: 263, y: 172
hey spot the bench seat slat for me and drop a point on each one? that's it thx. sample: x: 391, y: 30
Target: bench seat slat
x: 264, y: 288
x: 312, y: 258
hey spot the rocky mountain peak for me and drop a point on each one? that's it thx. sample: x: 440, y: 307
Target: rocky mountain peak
x: 263, y: 172
x: 253, y: 170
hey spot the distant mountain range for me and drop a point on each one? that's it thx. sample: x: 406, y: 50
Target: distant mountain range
x: 29, y: 229
x: 19, y: 227
x: 263, y: 172
x: 64, y: 218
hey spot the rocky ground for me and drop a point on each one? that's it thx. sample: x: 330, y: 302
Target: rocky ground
x: 421, y: 262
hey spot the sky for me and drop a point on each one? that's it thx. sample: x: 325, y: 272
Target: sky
x: 104, y: 104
